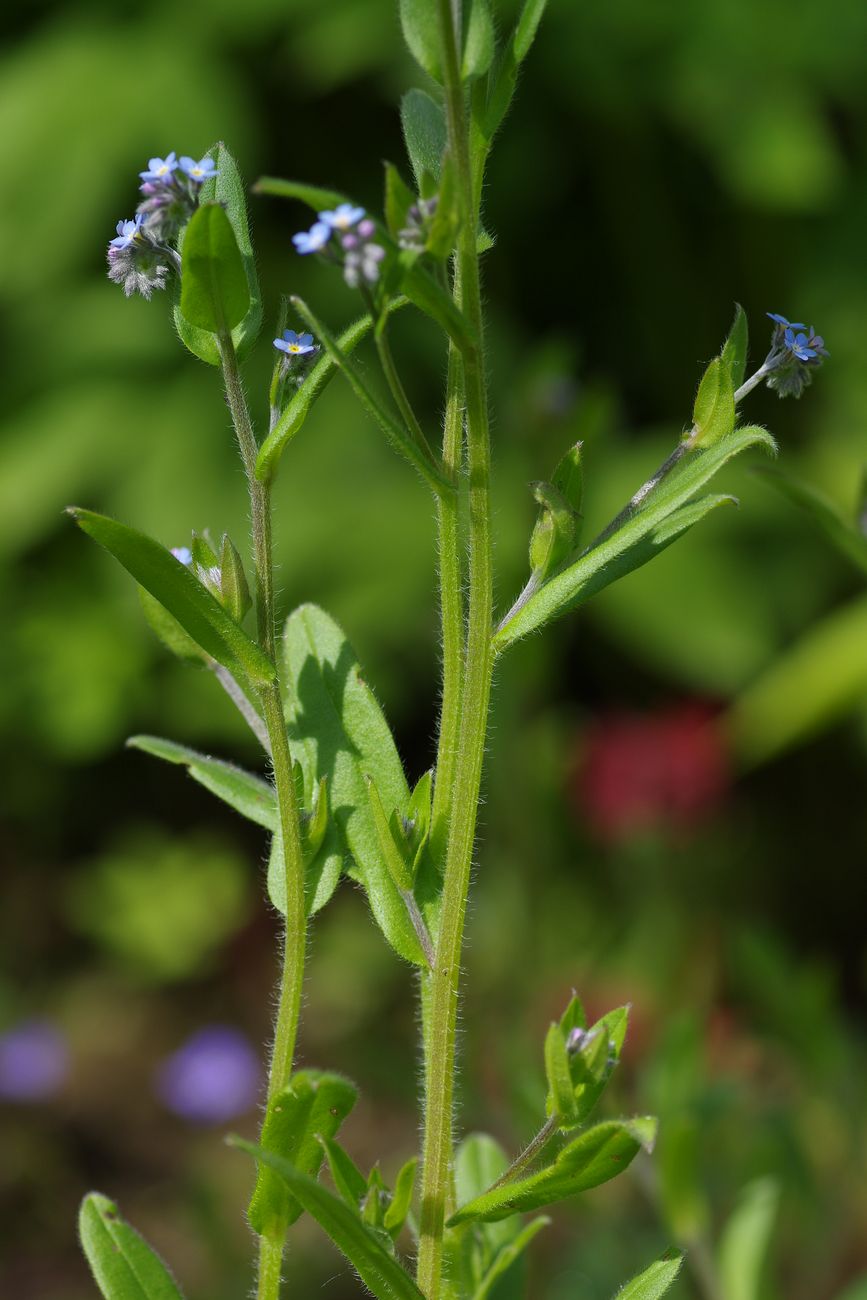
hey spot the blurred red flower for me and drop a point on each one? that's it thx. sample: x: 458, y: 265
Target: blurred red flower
x: 662, y: 771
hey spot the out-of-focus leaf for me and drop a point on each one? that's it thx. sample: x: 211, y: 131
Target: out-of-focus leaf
x: 507, y: 1255
x: 337, y: 729
x: 418, y: 19
x: 734, y: 353
x: 845, y: 536
x: 215, y: 294
x: 857, y: 1291
x: 314, y: 196
x: 249, y: 795
x: 395, y: 1214
x: 599, y: 1154
x: 399, y: 198
x: 313, y: 1105
x: 654, y: 1281
x: 479, y: 40
x: 504, y: 74
x: 123, y: 1264
x: 746, y: 1239
x: 424, y: 132
x: 377, y: 1269
x: 172, y: 584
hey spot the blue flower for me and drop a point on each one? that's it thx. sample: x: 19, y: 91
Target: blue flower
x: 183, y: 554
x: 215, y: 1076
x: 799, y: 345
x: 199, y: 171
x: 160, y: 169
x: 343, y: 217
x: 127, y: 232
x: 785, y: 324
x: 295, y: 344
x: 312, y: 240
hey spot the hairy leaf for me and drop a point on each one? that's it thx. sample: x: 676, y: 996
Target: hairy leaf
x: 734, y: 353
x: 745, y: 1242
x: 654, y: 1281
x: 424, y: 132
x: 418, y: 19
x: 713, y: 415
x: 123, y: 1264
x: 249, y: 795
x: 215, y: 294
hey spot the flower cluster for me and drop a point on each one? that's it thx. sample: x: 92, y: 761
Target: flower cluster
x: 795, y: 353
x: 353, y: 245
x: 414, y: 234
x: 140, y: 257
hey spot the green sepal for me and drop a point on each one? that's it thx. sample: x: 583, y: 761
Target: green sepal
x: 654, y: 1281
x: 568, y: 477
x: 391, y: 848
x: 425, y: 135
x: 203, y: 553
x: 399, y: 198
x: 169, y: 630
x: 233, y: 581
x: 418, y: 21
x: 315, y: 823
x: 227, y: 189
x: 297, y: 409
x: 323, y: 866
x: 666, y: 514
x: 215, y: 295
x: 377, y: 1268
x: 561, y: 1091
x: 336, y: 728
x: 734, y: 353
x: 249, y: 795
x: 180, y: 592
x: 124, y: 1266
x: 418, y: 816
x: 314, y: 196
x: 746, y: 1239
x: 478, y: 41
x: 713, y: 415
x: 348, y: 1178
x: 597, y: 1155
x: 592, y: 1065
x: 313, y: 1105
x: 401, y: 1199
x: 373, y: 1206
x: 553, y: 537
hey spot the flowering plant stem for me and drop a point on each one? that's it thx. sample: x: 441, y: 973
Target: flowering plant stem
x: 471, y: 716
x: 292, y: 973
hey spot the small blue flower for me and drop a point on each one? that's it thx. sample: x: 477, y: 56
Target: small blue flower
x: 295, y: 344
x: 785, y: 324
x: 343, y: 217
x: 312, y: 240
x: 199, y: 171
x: 799, y: 345
x: 160, y: 169
x: 127, y: 232
x: 183, y: 554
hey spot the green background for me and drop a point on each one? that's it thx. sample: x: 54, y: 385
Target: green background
x: 661, y: 162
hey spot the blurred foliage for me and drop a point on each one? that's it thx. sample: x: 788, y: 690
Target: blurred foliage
x: 661, y: 161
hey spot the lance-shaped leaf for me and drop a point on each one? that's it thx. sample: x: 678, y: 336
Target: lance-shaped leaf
x: 418, y: 20
x: 430, y: 296
x: 312, y: 1106
x: 401, y: 1200
x: 377, y: 1268
x: 599, y: 1154
x: 215, y: 295
x: 492, y: 108
x: 181, y: 593
x: 123, y: 1264
x: 713, y: 415
x: 322, y: 871
x: 314, y: 196
x: 746, y: 1239
x: 845, y: 536
x: 507, y: 1255
x: 337, y: 729
x: 479, y: 40
x: 472, y: 1249
x: 424, y: 132
x: 665, y: 515
x: 734, y: 353
x: 348, y: 1178
x: 553, y: 535
x: 297, y: 409
x: 396, y: 433
x: 653, y: 1283
x: 249, y: 795
x: 227, y: 189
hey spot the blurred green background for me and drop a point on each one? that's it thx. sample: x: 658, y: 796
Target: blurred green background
x: 675, y: 810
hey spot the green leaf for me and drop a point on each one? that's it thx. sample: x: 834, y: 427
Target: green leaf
x: 713, y: 415
x: 169, y: 630
x: 561, y: 1093
x: 745, y: 1242
x: 507, y: 1255
x: 322, y: 869
x: 388, y: 846
x: 479, y: 40
x: 123, y: 1264
x: 249, y: 795
x: 313, y: 1105
x: 424, y: 132
x: 642, y: 536
x: 504, y: 75
x: 227, y: 189
x: 314, y: 196
x: 599, y: 1154
x: 171, y: 583
x: 337, y: 729
x: 845, y: 536
x: 447, y: 217
x: 377, y: 1269
x: 592, y: 1065
x: 348, y: 1178
x: 399, y: 198
x: 401, y: 1201
x: 553, y: 536
x: 395, y: 432
x: 298, y: 408
x: 857, y: 1291
x: 568, y: 477
x: 418, y: 20
x: 215, y: 294
x: 432, y: 297
x: 734, y: 353
x: 654, y: 1281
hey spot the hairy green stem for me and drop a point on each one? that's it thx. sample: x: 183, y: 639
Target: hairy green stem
x: 445, y: 979
x: 292, y: 973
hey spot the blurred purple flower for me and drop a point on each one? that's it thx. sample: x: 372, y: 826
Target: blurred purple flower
x: 312, y: 240
x: 342, y: 217
x: 34, y: 1061
x: 215, y: 1076
x: 160, y: 169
